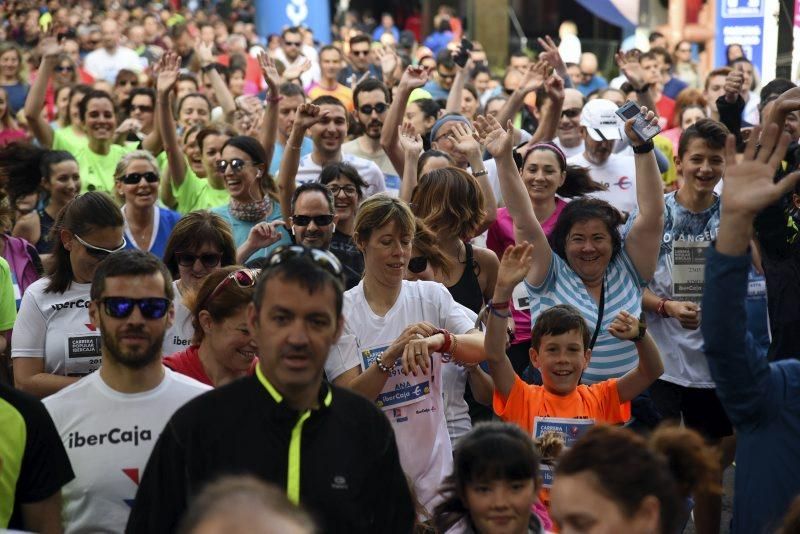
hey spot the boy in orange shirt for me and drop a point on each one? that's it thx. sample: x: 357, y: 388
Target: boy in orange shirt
x: 559, y: 349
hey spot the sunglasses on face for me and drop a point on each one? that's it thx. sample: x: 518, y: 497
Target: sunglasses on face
x: 132, y: 83
x: 65, y: 69
x: 293, y: 43
x: 367, y: 109
x: 348, y: 190
x: 571, y: 113
x: 143, y: 109
x: 305, y: 220
x: 134, y: 178
x: 360, y: 52
x: 99, y: 252
x: 122, y: 307
x: 417, y: 264
x: 209, y: 260
x: 236, y: 165
x: 243, y: 278
x: 322, y: 258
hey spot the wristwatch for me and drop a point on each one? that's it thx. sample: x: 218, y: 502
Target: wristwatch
x: 642, y: 329
x: 645, y: 148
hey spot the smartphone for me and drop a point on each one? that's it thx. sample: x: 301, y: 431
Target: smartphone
x: 463, y: 53
x: 641, y: 126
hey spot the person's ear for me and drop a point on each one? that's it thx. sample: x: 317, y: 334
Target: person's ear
x: 67, y: 239
x: 359, y: 245
x: 647, y: 517
x: 205, y: 320
x: 587, y: 355
x: 533, y: 355
x: 94, y: 313
x: 678, y: 164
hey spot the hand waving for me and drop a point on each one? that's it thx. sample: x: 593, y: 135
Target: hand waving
x: 205, y: 53
x: 492, y: 135
x: 535, y: 76
x: 270, y: 73
x: 630, y: 67
x: 307, y: 116
x: 514, y: 265
x: 410, y: 140
x: 414, y: 77
x: 295, y: 71
x: 168, y: 69
x: 551, y: 54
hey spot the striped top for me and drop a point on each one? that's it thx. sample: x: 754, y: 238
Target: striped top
x: 611, y: 357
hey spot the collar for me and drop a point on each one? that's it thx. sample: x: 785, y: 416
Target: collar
x: 325, y: 393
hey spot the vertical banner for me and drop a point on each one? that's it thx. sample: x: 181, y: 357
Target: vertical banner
x: 752, y: 24
x: 272, y: 16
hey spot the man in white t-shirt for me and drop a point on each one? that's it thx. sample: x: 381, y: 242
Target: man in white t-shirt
x: 328, y: 132
x: 110, y: 420
x: 568, y: 134
x: 600, y: 130
x: 293, y: 53
x: 104, y: 63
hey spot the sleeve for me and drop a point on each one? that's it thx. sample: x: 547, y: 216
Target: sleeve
x: 613, y: 410
x: 188, y: 194
x: 27, y: 339
x: 748, y: 388
x: 627, y: 265
x: 342, y: 357
x: 517, y: 408
x: 45, y: 464
x: 377, y: 182
x: 8, y: 303
x: 549, y: 282
x: 161, y: 498
x: 731, y: 116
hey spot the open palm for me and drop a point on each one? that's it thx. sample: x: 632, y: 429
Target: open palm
x: 515, y: 264
x: 492, y: 135
x: 168, y: 71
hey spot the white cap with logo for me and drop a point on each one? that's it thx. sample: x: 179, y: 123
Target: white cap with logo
x: 601, y: 121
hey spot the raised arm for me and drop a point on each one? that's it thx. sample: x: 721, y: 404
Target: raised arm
x: 224, y: 96
x: 411, y: 143
x: 551, y: 110
x: 412, y: 78
x: 513, y: 268
x: 269, y: 124
x: 552, y: 56
x: 454, y: 97
x: 532, y: 81
x: 644, y: 239
x: 526, y: 227
x: 467, y: 143
x: 630, y: 67
x: 626, y: 327
x: 168, y: 69
x: 389, y: 61
x: 34, y: 103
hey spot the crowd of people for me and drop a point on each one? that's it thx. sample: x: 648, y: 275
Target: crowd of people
x: 265, y: 284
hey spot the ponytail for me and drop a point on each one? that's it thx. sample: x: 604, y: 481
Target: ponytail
x: 578, y: 182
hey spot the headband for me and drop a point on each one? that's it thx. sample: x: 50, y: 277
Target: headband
x: 548, y: 146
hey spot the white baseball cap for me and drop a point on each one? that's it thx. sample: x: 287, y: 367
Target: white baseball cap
x: 600, y: 119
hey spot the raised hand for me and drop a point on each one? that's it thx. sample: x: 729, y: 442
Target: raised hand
x: 410, y: 140
x: 265, y: 234
x: 128, y: 126
x: 624, y: 326
x: 388, y: 60
x: 788, y: 102
x: 293, y: 72
x: 630, y: 67
x: 464, y: 140
x: 168, y: 69
x: 733, y: 85
x: 649, y: 116
x: 205, y: 53
x: 307, y: 116
x: 413, y: 77
x: 270, y: 73
x: 514, y: 265
x: 50, y: 47
x: 551, y: 54
x: 535, y: 76
x: 498, y: 141
x: 554, y: 85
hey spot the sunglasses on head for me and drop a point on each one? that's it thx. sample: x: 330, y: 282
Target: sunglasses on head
x: 367, y: 109
x: 322, y: 258
x: 236, y: 164
x: 122, y: 307
x: 243, y: 278
x: 209, y: 260
x: 99, y: 252
x: 417, y: 264
x: 570, y: 113
x: 134, y: 178
x: 305, y: 220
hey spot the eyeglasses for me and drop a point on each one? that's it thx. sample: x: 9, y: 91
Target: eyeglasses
x: 209, y: 260
x: 360, y: 52
x: 99, y: 252
x: 236, y: 165
x: 293, y: 43
x: 143, y: 109
x: 367, y: 109
x: 132, y: 83
x: 244, y: 278
x: 305, y: 220
x: 122, y: 307
x: 348, y: 190
x: 65, y: 69
x: 570, y: 113
x: 322, y: 258
x: 417, y: 264
x: 134, y: 178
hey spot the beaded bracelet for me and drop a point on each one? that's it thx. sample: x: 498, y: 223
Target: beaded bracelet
x: 381, y: 365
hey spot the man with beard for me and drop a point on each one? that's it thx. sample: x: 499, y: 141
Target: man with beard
x: 600, y: 130
x: 568, y: 135
x: 371, y: 99
x: 110, y: 421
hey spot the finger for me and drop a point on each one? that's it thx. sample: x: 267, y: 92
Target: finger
x: 788, y: 183
x: 425, y: 360
x: 404, y: 360
x: 769, y: 138
x: 750, y: 149
x: 780, y: 149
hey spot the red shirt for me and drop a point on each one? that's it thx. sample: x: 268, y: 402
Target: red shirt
x: 666, y: 110
x: 187, y: 362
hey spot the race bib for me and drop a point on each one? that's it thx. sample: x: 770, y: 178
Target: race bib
x: 83, y: 355
x: 688, y: 270
x: 568, y: 429
x: 400, y: 390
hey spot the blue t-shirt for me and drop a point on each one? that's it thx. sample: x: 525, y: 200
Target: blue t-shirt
x: 305, y: 148
x: 597, y: 82
x: 164, y: 221
x: 241, y: 229
x: 17, y: 94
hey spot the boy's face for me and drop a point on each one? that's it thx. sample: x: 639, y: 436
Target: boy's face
x: 561, y: 359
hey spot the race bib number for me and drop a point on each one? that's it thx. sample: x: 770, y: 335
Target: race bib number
x: 688, y: 270
x: 522, y: 301
x: 400, y: 390
x: 568, y: 429
x: 83, y: 354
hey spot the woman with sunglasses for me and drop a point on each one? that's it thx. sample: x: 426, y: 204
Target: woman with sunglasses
x: 393, y: 329
x: 54, y: 342
x: 147, y: 226
x: 254, y: 211
x: 222, y: 348
x: 200, y: 243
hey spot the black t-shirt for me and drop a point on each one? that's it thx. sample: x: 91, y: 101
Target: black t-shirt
x: 45, y: 246
x: 37, y: 464
x: 345, y: 249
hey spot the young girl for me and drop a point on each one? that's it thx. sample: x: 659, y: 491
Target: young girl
x: 494, y: 484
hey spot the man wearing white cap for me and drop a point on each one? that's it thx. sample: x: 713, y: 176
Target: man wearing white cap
x: 600, y: 130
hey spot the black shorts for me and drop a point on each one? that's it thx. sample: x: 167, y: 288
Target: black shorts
x: 699, y: 408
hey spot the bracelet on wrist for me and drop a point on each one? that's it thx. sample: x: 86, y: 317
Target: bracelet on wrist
x: 385, y: 368
x: 274, y: 99
x: 644, y: 148
x: 642, y: 330
x: 448, y: 339
x: 643, y: 89
x: 478, y: 174
x: 662, y: 308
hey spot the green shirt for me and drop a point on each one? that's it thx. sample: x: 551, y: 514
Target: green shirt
x: 197, y: 194
x: 8, y: 302
x: 97, y: 170
x: 66, y: 139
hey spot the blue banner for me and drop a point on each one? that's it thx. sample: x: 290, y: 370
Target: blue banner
x: 740, y: 22
x: 272, y: 16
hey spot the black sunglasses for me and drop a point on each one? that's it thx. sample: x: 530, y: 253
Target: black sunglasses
x: 143, y: 109
x: 65, y: 69
x: 122, y: 307
x: 360, y: 52
x: 417, y: 264
x: 134, y: 178
x: 367, y: 109
x: 209, y: 260
x: 570, y: 113
x: 236, y: 164
x: 322, y: 258
x: 305, y: 220
x: 293, y: 43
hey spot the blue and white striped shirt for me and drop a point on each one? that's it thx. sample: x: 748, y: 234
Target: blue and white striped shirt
x: 611, y: 357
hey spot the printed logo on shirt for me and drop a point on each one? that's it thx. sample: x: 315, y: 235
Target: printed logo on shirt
x: 339, y: 483
x: 115, y: 436
x: 180, y: 342
x: 624, y: 183
x: 397, y: 414
x: 84, y: 347
x: 133, y: 474
x: 399, y: 389
x: 80, y: 303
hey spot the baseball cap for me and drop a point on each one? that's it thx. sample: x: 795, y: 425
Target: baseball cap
x: 600, y: 119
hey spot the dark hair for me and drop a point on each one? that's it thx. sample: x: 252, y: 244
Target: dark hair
x: 139, y: 91
x: 291, y: 29
x: 178, y: 30
x: 77, y: 89
x: 742, y: 59
x: 559, y: 319
x: 655, y: 35
x: 289, y: 89
x: 24, y: 166
x: 774, y: 89
x: 663, y: 52
x: 432, y: 153
x: 81, y: 215
x: 360, y: 38
x: 444, y: 25
x: 479, y: 69
x: 92, y: 95
x: 124, y: 73
x: 225, y: 304
x: 490, y: 451
x: 428, y: 107
x: 194, y: 230
x: 302, y: 270
x: 129, y: 263
x: 712, y: 132
x: 445, y: 59
x: 332, y: 171
x: 675, y: 463
x: 582, y: 210
x: 728, y: 52
x: 312, y: 187
x: 367, y: 86
x: 326, y: 48
x: 471, y: 88
x: 577, y: 181
x: 328, y: 100
x: 192, y: 95
x: 253, y: 148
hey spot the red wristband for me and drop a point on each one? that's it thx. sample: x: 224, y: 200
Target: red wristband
x: 662, y: 309
x: 448, y: 340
